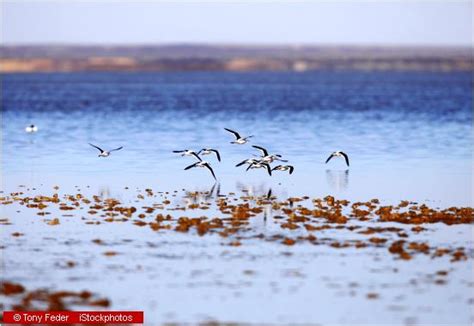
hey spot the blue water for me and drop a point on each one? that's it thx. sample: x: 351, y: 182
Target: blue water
x: 408, y: 135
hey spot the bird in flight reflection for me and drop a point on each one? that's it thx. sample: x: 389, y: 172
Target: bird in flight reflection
x: 337, y: 179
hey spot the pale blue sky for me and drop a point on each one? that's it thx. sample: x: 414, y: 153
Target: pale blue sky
x: 337, y: 22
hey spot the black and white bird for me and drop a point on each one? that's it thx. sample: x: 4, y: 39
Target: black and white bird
x: 260, y: 164
x: 248, y: 161
x: 238, y: 139
x: 31, y: 129
x: 202, y: 164
x: 105, y: 153
x: 267, y: 157
x: 339, y: 154
x: 187, y: 152
x: 207, y: 151
x: 288, y: 168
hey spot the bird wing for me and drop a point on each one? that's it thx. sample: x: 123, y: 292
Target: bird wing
x: 191, y: 166
x: 269, y: 169
x: 179, y: 151
x: 196, y: 156
x: 291, y: 169
x: 100, y: 149
x: 330, y: 157
x: 248, y: 167
x: 345, y: 157
x: 217, y: 154
x: 269, y: 194
x: 116, y: 149
x: 210, y: 169
x: 241, y: 163
x: 276, y: 167
x: 236, y: 134
x: 263, y: 150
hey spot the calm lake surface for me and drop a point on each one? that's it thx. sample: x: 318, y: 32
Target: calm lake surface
x: 408, y: 136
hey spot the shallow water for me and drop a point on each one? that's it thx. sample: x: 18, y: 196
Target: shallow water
x: 408, y: 135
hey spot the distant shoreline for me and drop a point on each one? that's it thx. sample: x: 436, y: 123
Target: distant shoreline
x: 83, y: 58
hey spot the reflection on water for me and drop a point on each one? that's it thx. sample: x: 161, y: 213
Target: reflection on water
x: 196, y: 197
x: 104, y: 192
x: 338, y: 180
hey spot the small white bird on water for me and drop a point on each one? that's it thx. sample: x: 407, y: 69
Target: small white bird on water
x: 238, y: 139
x: 288, y: 168
x: 207, y: 151
x: 202, y: 164
x: 31, y: 129
x: 260, y: 164
x: 105, y: 153
x: 187, y: 152
x: 339, y: 154
x: 267, y: 157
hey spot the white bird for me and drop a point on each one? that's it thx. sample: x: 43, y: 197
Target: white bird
x: 339, y: 154
x: 31, y: 129
x: 267, y: 157
x: 289, y: 168
x: 202, y: 164
x: 187, y: 152
x: 105, y: 153
x: 260, y: 164
x: 248, y: 161
x: 238, y: 139
x: 207, y: 151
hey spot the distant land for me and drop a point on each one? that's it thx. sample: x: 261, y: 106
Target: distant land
x: 185, y: 57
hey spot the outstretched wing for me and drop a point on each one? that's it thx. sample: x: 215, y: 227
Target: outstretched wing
x: 191, y: 166
x: 276, y: 167
x: 263, y: 150
x: 116, y: 149
x: 196, y: 156
x: 217, y: 154
x: 269, y: 169
x: 345, y: 157
x: 179, y: 151
x: 210, y: 169
x: 236, y: 134
x: 100, y: 149
x: 291, y: 169
x: 241, y: 163
x: 330, y: 157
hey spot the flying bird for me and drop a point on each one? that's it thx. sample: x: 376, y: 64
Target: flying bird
x: 207, y: 151
x: 202, y: 164
x: 339, y: 154
x: 31, y: 129
x: 187, y: 152
x: 267, y: 157
x: 238, y: 139
x: 288, y: 168
x: 260, y: 164
x: 248, y: 161
x: 105, y: 153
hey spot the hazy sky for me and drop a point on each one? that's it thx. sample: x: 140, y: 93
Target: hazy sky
x: 336, y: 22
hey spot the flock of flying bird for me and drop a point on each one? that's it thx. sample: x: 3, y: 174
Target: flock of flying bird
x: 263, y: 161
